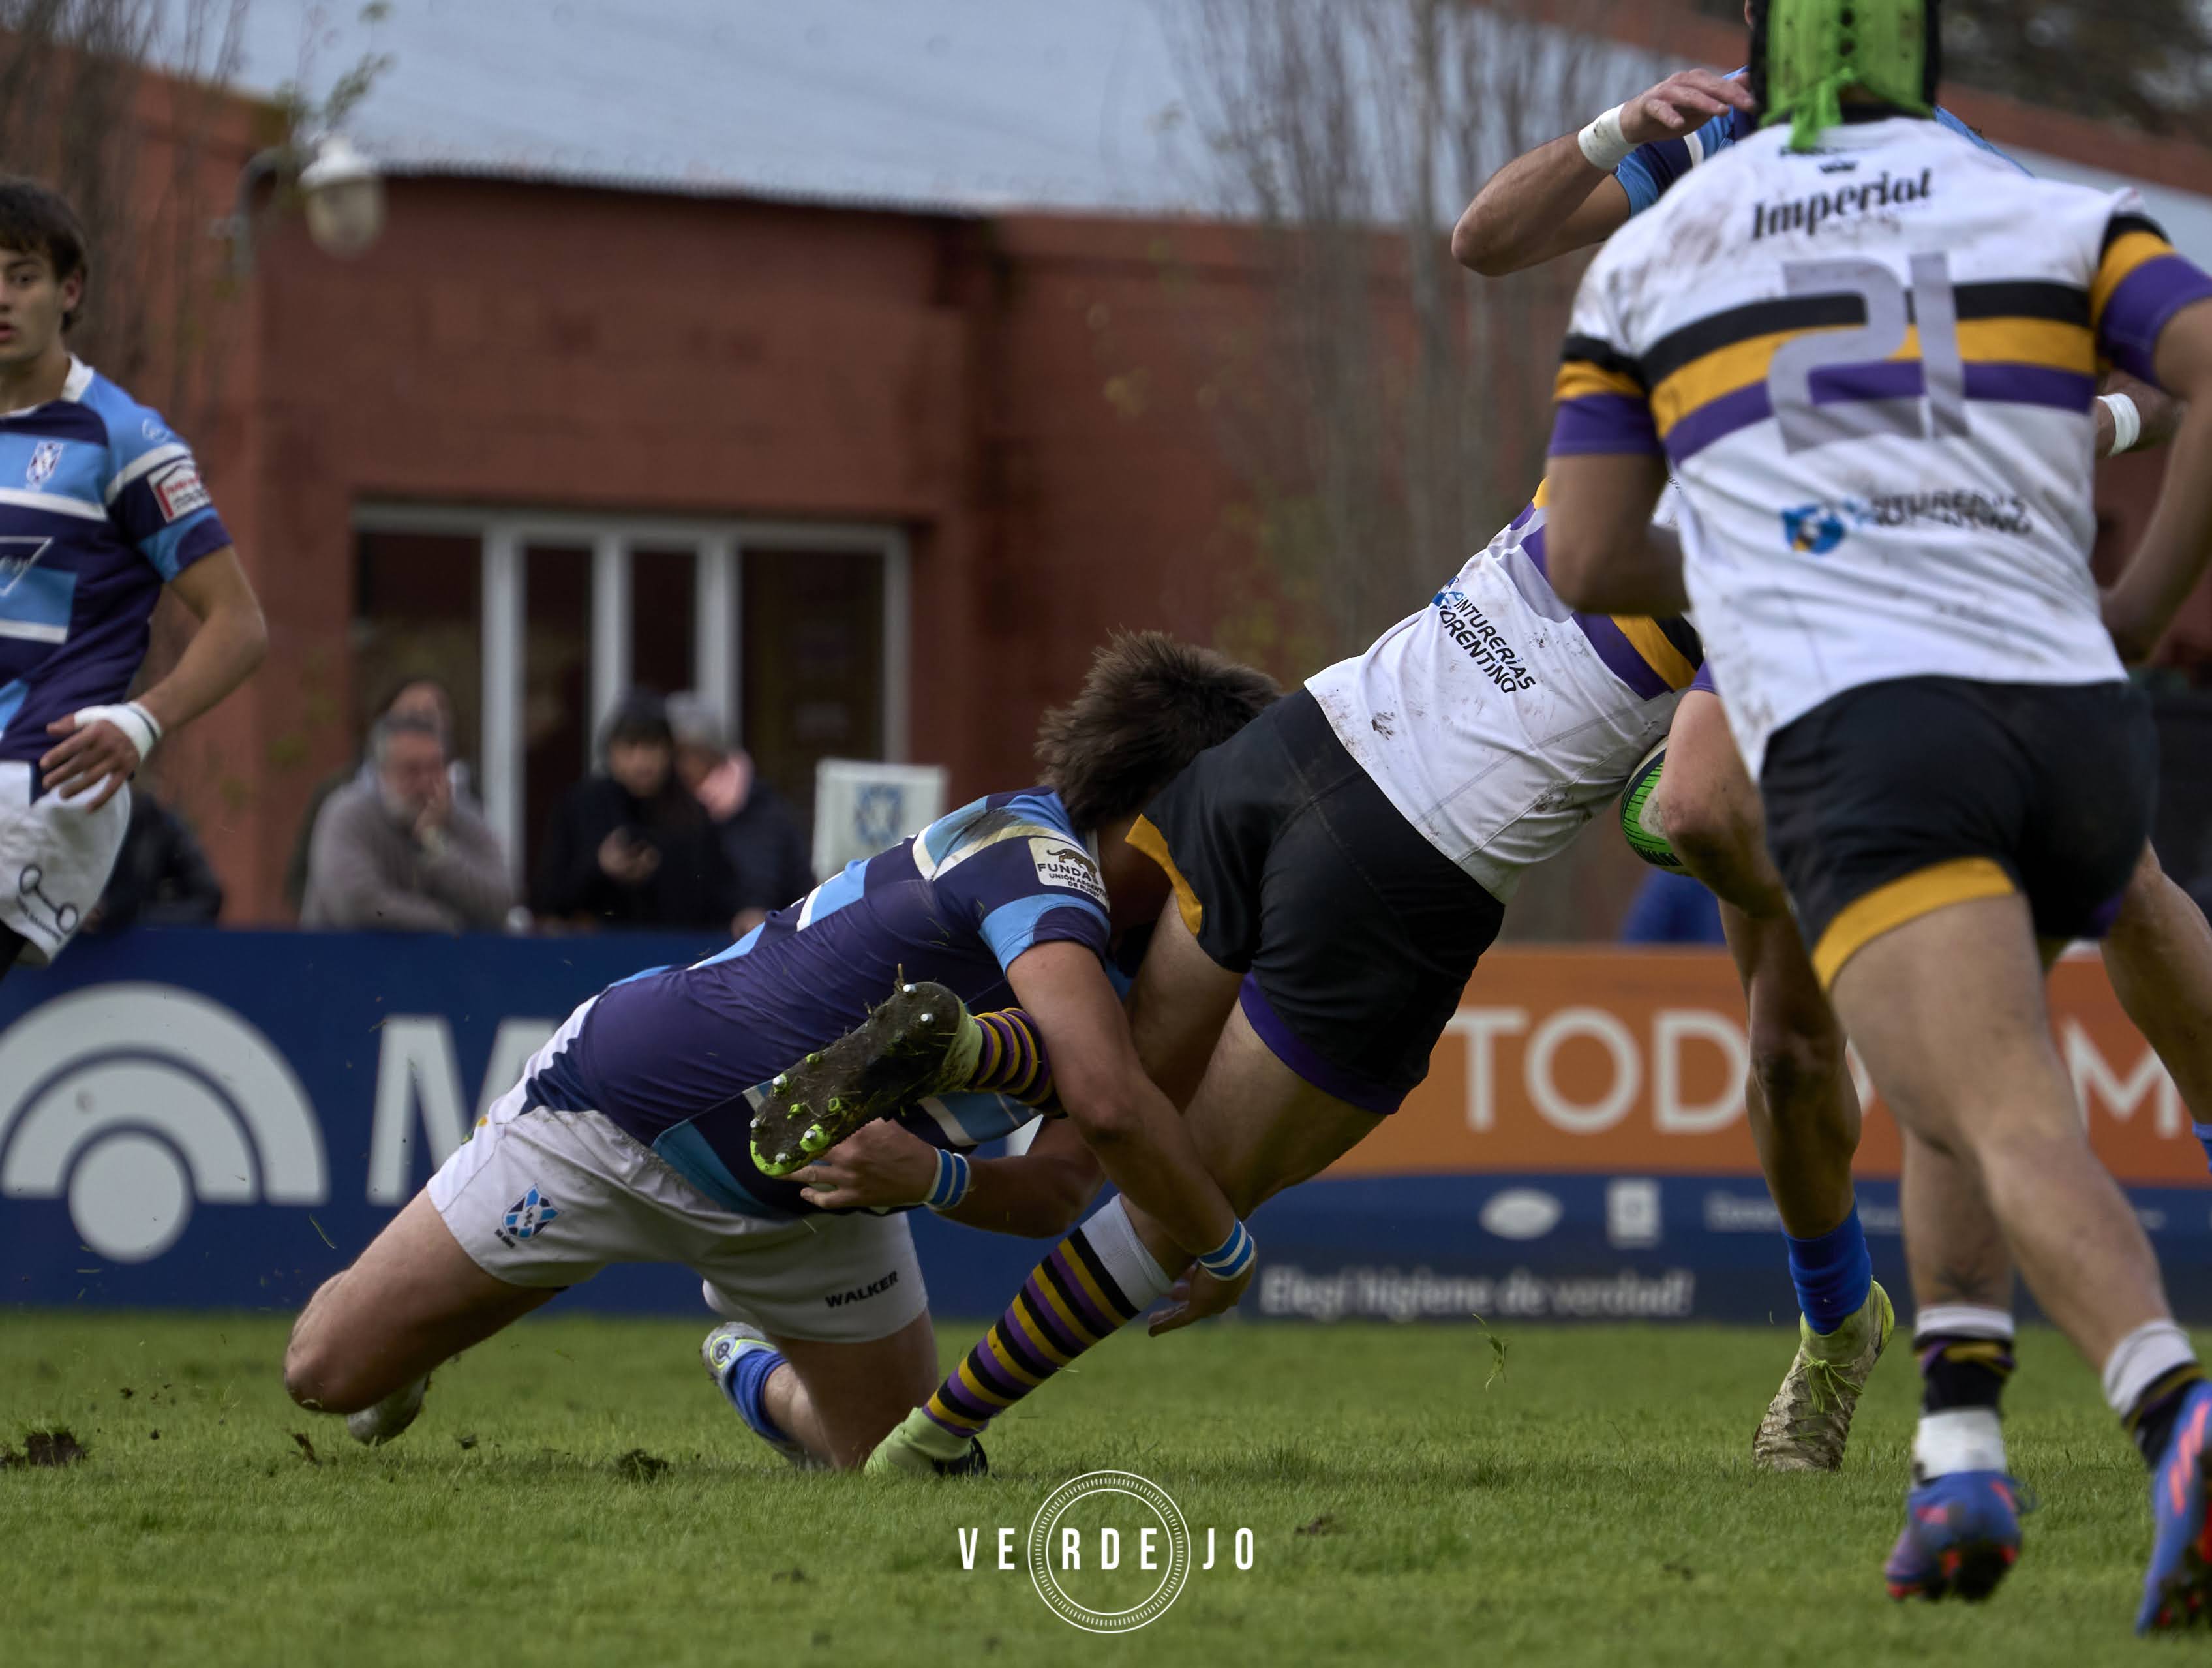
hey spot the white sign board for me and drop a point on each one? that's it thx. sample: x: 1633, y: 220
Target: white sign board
x: 860, y: 807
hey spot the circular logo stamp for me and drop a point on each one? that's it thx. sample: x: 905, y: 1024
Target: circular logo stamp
x: 1147, y: 1500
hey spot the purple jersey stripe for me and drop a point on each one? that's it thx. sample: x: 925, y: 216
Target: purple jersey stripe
x: 1716, y: 419
x: 1294, y: 1051
x: 2140, y: 307
x: 1875, y: 378
x: 1521, y: 519
x: 1603, y: 423
x: 2031, y: 385
x: 1620, y: 656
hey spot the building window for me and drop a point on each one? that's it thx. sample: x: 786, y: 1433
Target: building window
x: 796, y: 631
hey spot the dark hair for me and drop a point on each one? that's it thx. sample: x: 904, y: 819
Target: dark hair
x: 36, y: 220
x: 1149, y: 706
x: 639, y: 716
x: 1931, y: 65
x: 403, y: 723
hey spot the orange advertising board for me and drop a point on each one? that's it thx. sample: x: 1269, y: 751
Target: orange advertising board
x: 1617, y: 1060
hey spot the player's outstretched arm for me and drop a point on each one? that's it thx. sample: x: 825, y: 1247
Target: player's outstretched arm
x: 1602, y: 552
x: 2178, y: 543
x: 223, y: 652
x: 1040, y: 1194
x: 1562, y: 196
x: 1135, y: 1131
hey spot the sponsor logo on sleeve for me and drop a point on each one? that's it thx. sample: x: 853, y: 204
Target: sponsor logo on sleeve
x: 1063, y: 863
x: 177, y: 489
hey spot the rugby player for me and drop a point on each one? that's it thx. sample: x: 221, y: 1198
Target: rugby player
x: 1804, y: 1114
x: 1338, y: 869
x: 627, y: 1138
x: 101, y: 506
x: 1867, y: 348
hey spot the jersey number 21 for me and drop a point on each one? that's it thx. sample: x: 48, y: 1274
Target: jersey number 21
x: 1868, y: 393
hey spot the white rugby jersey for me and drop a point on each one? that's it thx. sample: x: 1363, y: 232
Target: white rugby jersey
x: 1870, y: 367
x: 1498, y: 719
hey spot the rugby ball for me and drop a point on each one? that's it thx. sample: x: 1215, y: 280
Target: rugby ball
x: 1642, y: 834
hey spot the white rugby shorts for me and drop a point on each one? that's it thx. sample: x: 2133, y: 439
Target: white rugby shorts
x: 539, y: 1197
x: 55, y: 859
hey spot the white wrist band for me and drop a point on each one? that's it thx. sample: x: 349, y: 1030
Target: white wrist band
x: 2127, y: 421
x: 128, y: 716
x: 1603, y: 144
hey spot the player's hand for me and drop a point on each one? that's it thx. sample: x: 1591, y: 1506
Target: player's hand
x: 626, y: 859
x: 436, y: 812
x: 1682, y: 103
x: 1197, y: 1295
x: 99, y: 755
x: 878, y: 1164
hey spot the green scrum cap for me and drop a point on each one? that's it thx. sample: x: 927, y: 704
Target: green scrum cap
x: 1806, y: 52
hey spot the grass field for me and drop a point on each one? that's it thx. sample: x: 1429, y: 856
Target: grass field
x: 1595, y: 1504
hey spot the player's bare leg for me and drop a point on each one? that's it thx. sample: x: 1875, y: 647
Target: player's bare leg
x: 411, y: 1301
x: 1177, y: 1007
x: 823, y: 1405
x: 1804, y: 1112
x: 2159, y: 957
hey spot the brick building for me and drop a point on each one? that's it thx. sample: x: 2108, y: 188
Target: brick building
x: 838, y: 376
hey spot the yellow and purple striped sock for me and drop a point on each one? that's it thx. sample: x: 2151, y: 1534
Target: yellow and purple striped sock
x: 1013, y: 1061
x: 1096, y: 1281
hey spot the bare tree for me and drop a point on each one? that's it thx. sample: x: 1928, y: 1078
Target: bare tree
x: 116, y: 102
x: 1390, y: 411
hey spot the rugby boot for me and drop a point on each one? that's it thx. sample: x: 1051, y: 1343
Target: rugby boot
x: 721, y: 1351
x: 2177, y: 1589
x: 1961, y: 1536
x: 378, y: 1423
x: 1809, y: 1419
x: 919, y: 1042
x: 919, y: 1447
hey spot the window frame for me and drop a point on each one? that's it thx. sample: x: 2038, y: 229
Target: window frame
x: 718, y: 642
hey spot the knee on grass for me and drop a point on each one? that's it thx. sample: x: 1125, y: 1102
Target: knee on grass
x: 320, y: 1378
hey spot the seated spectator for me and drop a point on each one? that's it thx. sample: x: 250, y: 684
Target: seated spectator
x: 1673, y: 909
x: 161, y: 877
x: 632, y: 847
x: 397, y: 851
x: 423, y: 697
x: 759, y: 830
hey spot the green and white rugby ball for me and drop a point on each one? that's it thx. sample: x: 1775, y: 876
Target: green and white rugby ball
x: 1638, y: 826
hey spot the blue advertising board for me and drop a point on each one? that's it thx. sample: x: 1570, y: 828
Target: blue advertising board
x: 224, y: 1119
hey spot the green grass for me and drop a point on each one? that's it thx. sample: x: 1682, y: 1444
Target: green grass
x: 1593, y: 1506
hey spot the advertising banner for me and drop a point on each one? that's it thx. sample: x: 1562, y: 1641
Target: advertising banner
x: 207, y: 1119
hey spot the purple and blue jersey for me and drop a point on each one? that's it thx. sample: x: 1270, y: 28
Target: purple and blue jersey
x: 677, y: 1057
x: 101, y: 505
x: 1652, y: 169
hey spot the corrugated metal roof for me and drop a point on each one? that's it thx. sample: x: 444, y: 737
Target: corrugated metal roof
x: 969, y: 105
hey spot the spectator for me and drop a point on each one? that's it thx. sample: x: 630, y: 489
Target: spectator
x: 632, y: 847
x: 424, y: 697
x: 1673, y: 909
x: 397, y: 851
x: 759, y: 831
x: 161, y: 877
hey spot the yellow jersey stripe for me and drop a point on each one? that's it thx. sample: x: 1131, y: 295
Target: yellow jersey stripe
x: 1891, y: 906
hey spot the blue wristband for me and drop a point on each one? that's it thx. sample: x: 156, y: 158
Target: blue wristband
x: 951, y: 1186
x: 1232, y: 1255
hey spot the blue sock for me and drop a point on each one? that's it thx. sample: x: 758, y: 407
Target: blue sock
x: 1833, y: 1273
x: 746, y: 1384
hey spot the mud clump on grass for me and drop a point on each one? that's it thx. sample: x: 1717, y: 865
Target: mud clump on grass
x: 51, y: 1450
x: 639, y: 1466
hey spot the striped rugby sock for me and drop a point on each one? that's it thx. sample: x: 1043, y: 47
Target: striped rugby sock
x: 1096, y: 1281
x: 1013, y: 1061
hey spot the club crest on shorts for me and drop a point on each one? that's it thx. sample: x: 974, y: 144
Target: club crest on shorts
x: 526, y: 1217
x: 45, y: 458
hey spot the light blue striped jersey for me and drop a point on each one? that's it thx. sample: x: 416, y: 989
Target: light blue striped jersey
x: 101, y: 505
